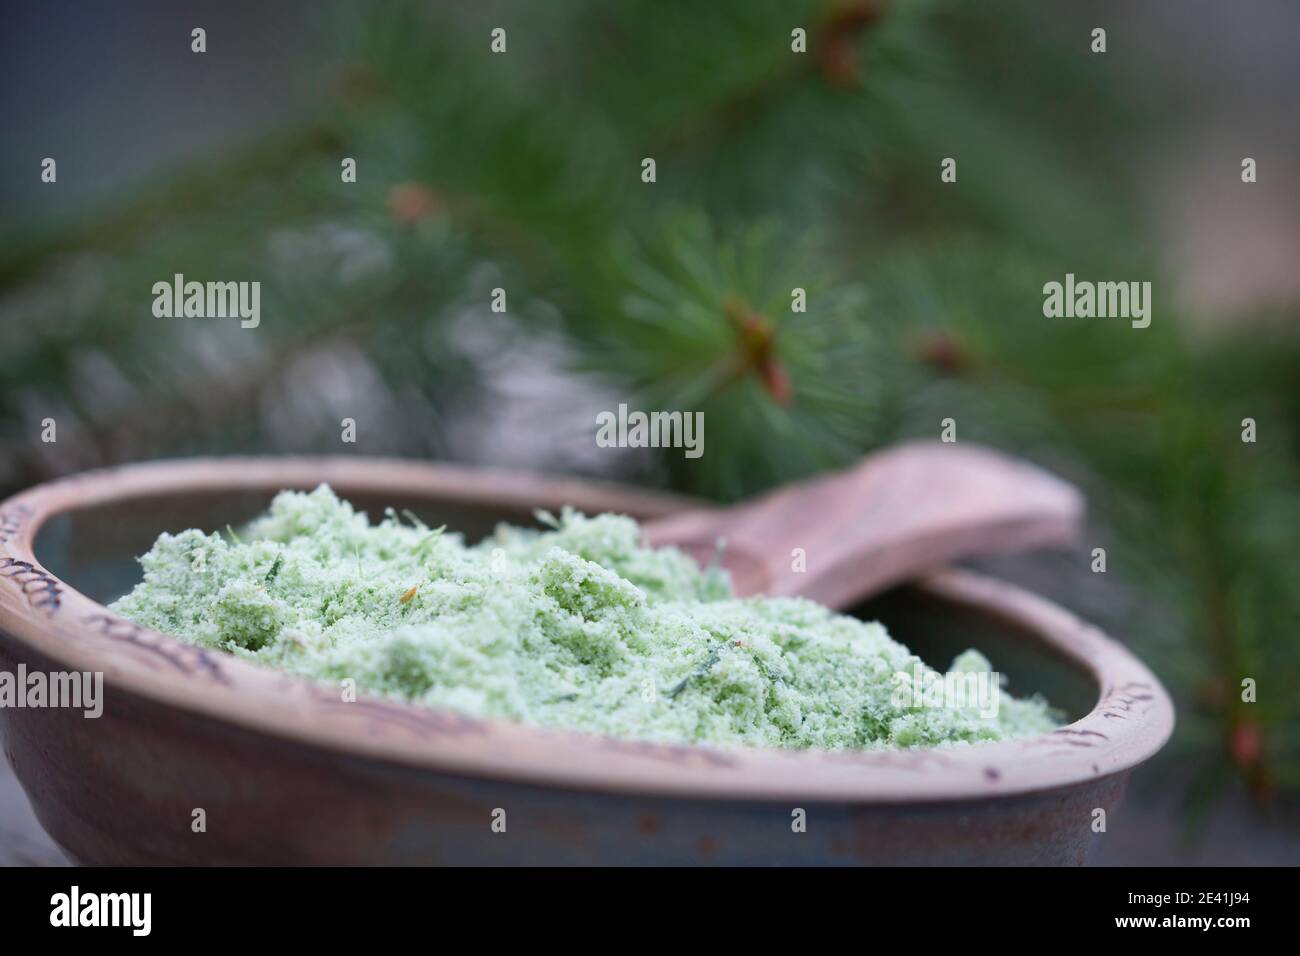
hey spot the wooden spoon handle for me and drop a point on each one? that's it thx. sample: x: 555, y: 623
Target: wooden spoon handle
x: 897, y: 513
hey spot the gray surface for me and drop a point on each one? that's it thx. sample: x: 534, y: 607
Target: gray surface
x: 22, y: 841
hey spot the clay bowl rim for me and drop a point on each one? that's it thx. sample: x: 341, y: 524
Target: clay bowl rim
x: 1132, y: 719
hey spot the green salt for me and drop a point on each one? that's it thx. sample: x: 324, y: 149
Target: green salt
x: 577, y: 626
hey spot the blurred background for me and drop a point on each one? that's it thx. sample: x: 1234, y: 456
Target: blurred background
x: 775, y: 170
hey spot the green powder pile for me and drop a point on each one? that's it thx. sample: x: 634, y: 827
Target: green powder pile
x: 579, y: 627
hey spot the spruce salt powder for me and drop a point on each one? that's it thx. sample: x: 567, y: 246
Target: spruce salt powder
x: 578, y: 626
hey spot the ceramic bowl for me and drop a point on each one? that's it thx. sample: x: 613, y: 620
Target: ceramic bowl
x: 287, y: 772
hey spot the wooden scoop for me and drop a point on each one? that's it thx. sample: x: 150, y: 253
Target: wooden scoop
x: 897, y: 513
